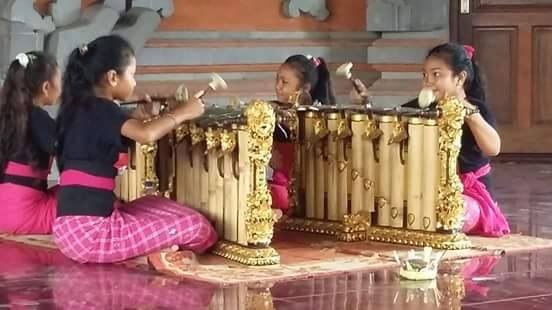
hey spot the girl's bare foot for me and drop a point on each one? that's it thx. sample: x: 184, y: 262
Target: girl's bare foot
x: 173, y: 262
x: 277, y: 214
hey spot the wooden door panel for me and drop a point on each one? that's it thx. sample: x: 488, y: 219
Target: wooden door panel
x: 496, y: 51
x: 542, y: 78
x: 513, y: 41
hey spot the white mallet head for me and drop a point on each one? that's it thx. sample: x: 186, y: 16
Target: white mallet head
x: 426, y: 97
x: 345, y: 70
x: 217, y: 82
x: 181, y: 93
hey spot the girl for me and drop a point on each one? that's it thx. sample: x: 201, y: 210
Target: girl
x: 27, y: 143
x: 299, y: 74
x: 450, y: 69
x: 91, y: 225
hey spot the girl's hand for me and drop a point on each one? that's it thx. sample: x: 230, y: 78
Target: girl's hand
x: 147, y: 110
x: 151, y: 108
x: 193, y: 108
x: 355, y: 96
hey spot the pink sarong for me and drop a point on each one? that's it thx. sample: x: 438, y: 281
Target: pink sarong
x: 26, y: 210
x: 142, y: 226
x: 279, y: 186
x: 492, y: 222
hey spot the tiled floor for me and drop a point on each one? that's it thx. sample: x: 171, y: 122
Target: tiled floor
x: 42, y: 279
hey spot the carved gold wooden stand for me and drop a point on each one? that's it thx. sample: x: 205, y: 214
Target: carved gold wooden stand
x: 221, y: 172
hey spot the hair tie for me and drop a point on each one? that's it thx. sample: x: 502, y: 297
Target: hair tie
x: 83, y: 49
x: 23, y: 59
x: 470, y: 50
x: 315, y: 60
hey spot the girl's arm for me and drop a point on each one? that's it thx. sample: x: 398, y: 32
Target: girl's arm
x: 148, y: 132
x: 355, y: 96
x: 486, y: 136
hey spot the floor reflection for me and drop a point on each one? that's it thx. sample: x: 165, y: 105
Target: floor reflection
x: 39, y: 278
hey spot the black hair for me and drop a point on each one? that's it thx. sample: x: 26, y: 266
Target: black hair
x: 315, y: 72
x: 458, y: 59
x: 86, y: 67
x: 24, y: 80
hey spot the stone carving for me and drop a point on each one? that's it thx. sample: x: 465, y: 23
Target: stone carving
x: 22, y: 28
x: 23, y: 11
x: 65, y: 12
x: 316, y: 8
x: 96, y: 20
x: 407, y: 15
x: 164, y: 7
x: 137, y: 25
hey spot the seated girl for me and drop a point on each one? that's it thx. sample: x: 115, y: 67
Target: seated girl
x: 91, y: 225
x: 27, y: 143
x: 450, y: 69
x: 298, y: 75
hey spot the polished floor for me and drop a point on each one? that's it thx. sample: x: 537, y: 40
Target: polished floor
x: 32, y: 278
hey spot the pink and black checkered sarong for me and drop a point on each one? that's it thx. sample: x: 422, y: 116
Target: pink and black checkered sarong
x: 136, y: 228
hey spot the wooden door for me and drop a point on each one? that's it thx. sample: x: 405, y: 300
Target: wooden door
x: 513, y: 41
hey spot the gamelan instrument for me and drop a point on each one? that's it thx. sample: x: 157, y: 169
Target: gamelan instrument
x: 361, y: 173
x: 380, y: 174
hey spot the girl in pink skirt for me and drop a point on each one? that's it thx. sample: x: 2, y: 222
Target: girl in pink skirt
x: 27, y: 143
x: 450, y: 69
x: 91, y: 225
x: 298, y: 73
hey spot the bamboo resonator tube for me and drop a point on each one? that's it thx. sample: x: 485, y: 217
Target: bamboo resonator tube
x: 384, y: 163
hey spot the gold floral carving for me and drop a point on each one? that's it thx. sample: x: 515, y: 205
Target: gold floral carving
x: 450, y: 207
x: 228, y: 141
x: 259, y: 221
x: 150, y: 181
x: 246, y: 255
x: 196, y: 133
x: 212, y: 139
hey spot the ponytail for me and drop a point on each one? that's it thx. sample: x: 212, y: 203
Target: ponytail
x: 323, y: 90
x: 76, y: 87
x: 476, y: 88
x: 24, y: 80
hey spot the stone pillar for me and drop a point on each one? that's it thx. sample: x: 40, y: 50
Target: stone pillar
x: 16, y: 37
x: 407, y: 15
x: 137, y: 25
x: 95, y: 21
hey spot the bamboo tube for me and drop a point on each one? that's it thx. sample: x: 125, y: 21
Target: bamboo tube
x: 397, y: 180
x: 370, y: 171
x: 139, y: 166
x: 309, y: 160
x: 414, y: 173
x: 215, y: 192
x: 343, y: 168
x: 231, y: 206
x: 117, y: 189
x: 195, y: 193
x: 132, y: 185
x: 183, y: 173
x: 320, y: 172
x: 204, y: 179
x: 357, y: 167
x: 244, y: 184
x: 431, y: 175
x: 331, y: 166
x: 384, y: 175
